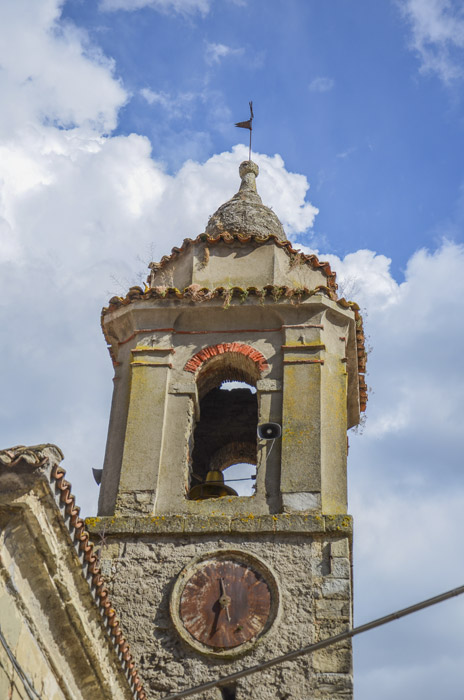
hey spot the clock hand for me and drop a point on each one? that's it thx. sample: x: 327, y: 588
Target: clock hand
x: 224, y: 600
x: 216, y: 620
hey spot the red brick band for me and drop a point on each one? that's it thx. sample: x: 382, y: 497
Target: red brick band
x: 207, y: 353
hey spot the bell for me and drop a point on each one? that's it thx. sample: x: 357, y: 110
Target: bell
x: 213, y: 487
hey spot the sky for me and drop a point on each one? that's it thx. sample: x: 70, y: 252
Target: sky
x: 117, y: 141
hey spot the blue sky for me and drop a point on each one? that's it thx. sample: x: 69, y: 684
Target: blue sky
x: 117, y: 141
x: 337, y: 92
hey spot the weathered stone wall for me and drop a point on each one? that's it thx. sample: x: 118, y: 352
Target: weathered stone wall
x: 25, y: 648
x: 211, y: 265
x: 238, y: 303
x: 311, y: 560
x: 49, y: 619
x: 302, y: 380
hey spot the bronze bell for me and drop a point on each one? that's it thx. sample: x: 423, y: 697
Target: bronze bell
x: 213, y: 487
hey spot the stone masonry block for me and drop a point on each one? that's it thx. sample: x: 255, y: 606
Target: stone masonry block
x: 301, y: 523
x: 269, y: 385
x: 336, y: 588
x: 332, y: 660
x: 334, y: 685
x: 332, y: 609
x: 250, y: 523
x: 340, y: 567
x: 341, y: 524
x: 206, y: 523
x: 162, y: 524
x: 330, y: 628
x: 339, y: 548
x: 317, y: 567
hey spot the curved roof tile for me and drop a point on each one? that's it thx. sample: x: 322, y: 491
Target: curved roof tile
x: 37, y: 456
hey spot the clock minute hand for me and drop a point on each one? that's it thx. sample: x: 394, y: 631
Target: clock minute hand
x: 224, y: 600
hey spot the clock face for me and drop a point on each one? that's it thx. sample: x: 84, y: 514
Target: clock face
x: 224, y: 602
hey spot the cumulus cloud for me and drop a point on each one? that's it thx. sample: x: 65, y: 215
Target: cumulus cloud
x: 83, y: 212
x: 153, y: 97
x: 81, y: 215
x: 405, y: 469
x: 84, y: 229
x: 183, y: 7
x: 403, y: 319
x: 406, y: 478
x: 437, y: 28
x: 52, y: 74
x: 215, y: 53
x: 321, y: 84
x: 179, y: 105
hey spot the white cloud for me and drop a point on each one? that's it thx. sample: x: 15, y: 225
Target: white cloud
x: 50, y: 72
x: 345, y: 154
x: 77, y: 209
x: 321, y: 84
x: 153, y: 97
x: 406, y: 551
x: 405, y: 470
x: 411, y: 327
x: 183, y: 7
x: 214, y: 53
x: 437, y: 28
x: 364, y: 276
x: 175, y: 105
x: 77, y: 231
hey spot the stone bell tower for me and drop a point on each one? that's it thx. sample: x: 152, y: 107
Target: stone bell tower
x: 208, y: 582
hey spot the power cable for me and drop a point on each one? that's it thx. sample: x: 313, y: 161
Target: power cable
x: 319, y: 645
x: 31, y: 693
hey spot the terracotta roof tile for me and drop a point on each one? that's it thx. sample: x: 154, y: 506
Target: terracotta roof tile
x: 204, y: 294
x: 226, y: 237
x: 37, y: 456
x: 289, y: 294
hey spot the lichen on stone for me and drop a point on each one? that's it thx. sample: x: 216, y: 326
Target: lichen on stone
x: 245, y: 213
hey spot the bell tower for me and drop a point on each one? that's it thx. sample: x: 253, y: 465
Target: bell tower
x: 237, y: 352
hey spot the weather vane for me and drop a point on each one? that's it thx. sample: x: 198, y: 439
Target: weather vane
x: 247, y: 125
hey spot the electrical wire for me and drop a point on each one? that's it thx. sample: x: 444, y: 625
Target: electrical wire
x: 31, y: 693
x: 270, y: 449
x: 226, y: 481
x: 319, y: 645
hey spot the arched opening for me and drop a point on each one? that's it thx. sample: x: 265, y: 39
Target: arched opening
x: 241, y: 477
x: 224, y: 438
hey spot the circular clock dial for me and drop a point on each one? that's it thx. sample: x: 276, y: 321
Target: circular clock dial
x: 225, y: 603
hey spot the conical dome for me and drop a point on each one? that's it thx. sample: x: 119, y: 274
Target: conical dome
x: 245, y: 213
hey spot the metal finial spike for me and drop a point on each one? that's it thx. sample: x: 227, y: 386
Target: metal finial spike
x: 248, y: 125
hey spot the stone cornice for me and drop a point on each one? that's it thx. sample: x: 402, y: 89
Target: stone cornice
x: 291, y: 523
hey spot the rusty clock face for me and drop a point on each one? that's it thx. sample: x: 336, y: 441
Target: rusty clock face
x: 225, y: 602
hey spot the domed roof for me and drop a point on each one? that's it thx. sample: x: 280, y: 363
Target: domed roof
x: 245, y: 213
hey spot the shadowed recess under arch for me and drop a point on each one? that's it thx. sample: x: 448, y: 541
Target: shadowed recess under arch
x: 225, y: 433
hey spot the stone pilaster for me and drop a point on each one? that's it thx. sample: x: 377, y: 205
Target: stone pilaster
x: 150, y: 368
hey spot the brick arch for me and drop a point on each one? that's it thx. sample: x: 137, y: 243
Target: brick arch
x: 234, y: 453
x: 206, y: 354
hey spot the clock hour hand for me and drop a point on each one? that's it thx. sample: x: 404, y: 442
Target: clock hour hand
x: 224, y: 600
x: 214, y: 628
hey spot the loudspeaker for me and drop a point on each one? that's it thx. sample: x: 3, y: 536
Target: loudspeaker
x: 269, y: 431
